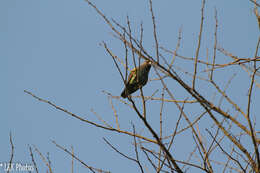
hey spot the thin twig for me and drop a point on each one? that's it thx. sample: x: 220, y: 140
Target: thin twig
x: 226, y: 87
x: 198, y: 48
x: 136, y: 152
x: 191, y: 124
x: 115, y: 112
x: 148, y: 158
x: 249, y: 121
x: 242, y: 61
x: 114, y: 59
x: 154, y: 31
x: 126, y: 60
x: 101, y: 119
x: 139, y: 58
x: 33, y: 161
x: 177, y: 48
x: 72, y: 159
x: 161, y: 124
x: 48, y: 158
x: 12, y: 153
x: 215, y: 44
x: 233, y: 103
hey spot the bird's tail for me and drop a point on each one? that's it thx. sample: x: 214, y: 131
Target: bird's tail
x: 124, y: 94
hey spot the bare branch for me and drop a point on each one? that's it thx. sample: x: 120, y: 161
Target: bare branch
x: 89, y: 122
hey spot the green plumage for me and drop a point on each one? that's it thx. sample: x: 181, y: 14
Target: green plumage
x: 138, y: 77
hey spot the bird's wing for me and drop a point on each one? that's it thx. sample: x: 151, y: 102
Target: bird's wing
x: 132, y: 76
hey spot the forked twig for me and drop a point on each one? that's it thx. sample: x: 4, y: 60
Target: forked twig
x: 43, y: 159
x: 92, y: 169
x: 33, y: 161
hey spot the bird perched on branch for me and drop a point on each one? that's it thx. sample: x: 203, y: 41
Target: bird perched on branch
x: 138, y: 77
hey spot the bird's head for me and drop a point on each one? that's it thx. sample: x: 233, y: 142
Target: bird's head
x: 147, y: 65
x: 148, y: 62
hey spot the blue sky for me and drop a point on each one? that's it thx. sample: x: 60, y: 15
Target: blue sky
x: 52, y: 48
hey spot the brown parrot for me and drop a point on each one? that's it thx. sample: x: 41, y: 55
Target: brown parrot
x: 137, y: 78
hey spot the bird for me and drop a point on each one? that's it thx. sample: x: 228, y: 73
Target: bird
x: 137, y: 78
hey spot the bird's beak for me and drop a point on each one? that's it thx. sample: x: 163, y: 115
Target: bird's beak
x: 149, y: 62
